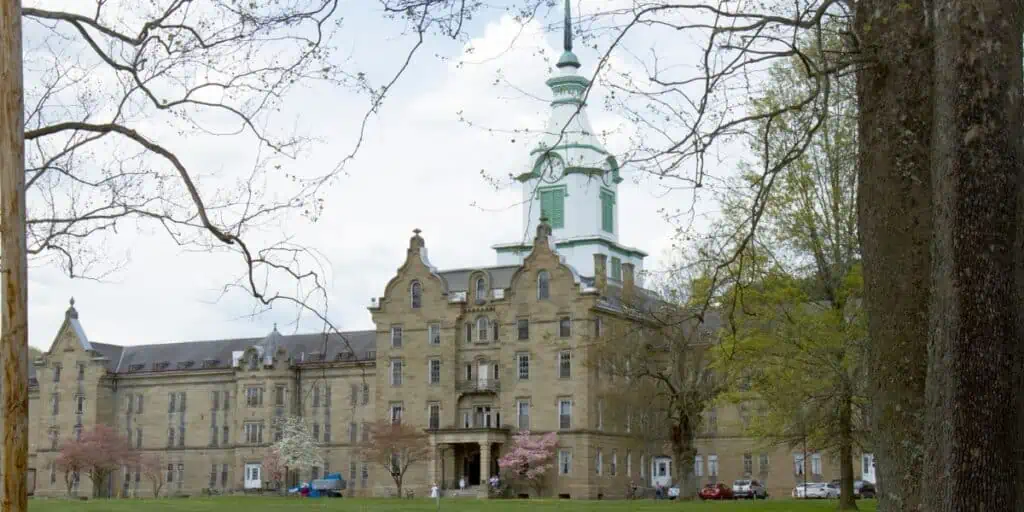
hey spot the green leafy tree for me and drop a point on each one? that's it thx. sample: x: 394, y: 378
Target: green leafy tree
x: 795, y: 344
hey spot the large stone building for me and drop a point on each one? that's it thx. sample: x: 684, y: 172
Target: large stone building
x: 470, y: 355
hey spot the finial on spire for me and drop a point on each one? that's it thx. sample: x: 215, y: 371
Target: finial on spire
x: 417, y: 231
x: 416, y: 242
x: 567, y: 30
x: 71, y: 313
x: 72, y: 301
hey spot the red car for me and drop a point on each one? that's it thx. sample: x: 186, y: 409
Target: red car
x: 716, y: 492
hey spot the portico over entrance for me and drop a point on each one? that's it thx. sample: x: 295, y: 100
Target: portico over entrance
x: 469, y: 455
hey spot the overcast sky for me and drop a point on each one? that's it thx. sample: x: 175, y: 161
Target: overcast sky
x: 419, y: 168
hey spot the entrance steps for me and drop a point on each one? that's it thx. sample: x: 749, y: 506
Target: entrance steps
x: 468, y: 492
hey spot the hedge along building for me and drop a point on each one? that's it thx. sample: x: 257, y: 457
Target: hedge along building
x: 470, y: 355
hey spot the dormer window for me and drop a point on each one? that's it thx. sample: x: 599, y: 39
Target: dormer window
x: 481, y: 290
x: 416, y: 294
x: 481, y: 328
x: 543, y: 285
x: 254, y: 361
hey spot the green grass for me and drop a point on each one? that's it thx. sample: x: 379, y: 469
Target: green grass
x: 255, y: 504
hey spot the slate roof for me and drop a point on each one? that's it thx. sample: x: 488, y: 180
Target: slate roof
x: 499, y: 277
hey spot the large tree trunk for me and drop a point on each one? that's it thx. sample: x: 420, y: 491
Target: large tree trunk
x: 894, y: 216
x: 846, y: 500
x: 14, y: 323
x: 974, y: 351
x: 683, y: 453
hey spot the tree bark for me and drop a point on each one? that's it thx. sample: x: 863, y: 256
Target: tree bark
x: 14, y: 330
x: 846, y: 499
x: 974, y: 348
x: 683, y: 453
x: 894, y: 217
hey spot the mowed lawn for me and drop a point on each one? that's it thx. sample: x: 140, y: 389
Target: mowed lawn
x: 262, y: 504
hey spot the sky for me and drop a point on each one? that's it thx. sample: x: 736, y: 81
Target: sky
x: 420, y: 168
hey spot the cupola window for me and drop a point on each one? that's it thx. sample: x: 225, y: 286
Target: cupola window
x: 543, y: 285
x: 416, y: 293
x: 481, y: 289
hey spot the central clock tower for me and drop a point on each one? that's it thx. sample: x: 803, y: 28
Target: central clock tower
x: 572, y: 180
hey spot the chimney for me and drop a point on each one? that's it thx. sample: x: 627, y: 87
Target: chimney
x: 600, y: 272
x: 628, y: 288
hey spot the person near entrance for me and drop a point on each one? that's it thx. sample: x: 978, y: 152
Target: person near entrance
x: 434, y: 493
x: 462, y: 483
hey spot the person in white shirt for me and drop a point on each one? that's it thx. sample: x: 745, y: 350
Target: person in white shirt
x: 434, y: 491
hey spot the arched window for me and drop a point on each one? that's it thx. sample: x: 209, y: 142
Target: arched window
x: 481, y: 328
x: 543, y: 285
x: 416, y: 293
x: 254, y: 361
x: 481, y: 289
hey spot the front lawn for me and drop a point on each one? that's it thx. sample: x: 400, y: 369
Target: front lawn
x: 263, y: 504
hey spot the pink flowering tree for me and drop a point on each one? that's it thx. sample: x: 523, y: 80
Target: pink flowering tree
x: 531, y: 458
x: 273, y: 467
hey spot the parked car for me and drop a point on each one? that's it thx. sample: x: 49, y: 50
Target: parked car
x: 861, y: 489
x: 815, y: 490
x: 749, y: 489
x: 716, y: 492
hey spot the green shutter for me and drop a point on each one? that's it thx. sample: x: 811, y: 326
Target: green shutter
x: 607, y: 211
x: 552, y: 206
x: 616, y: 269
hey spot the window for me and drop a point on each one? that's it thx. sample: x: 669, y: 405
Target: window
x: 316, y: 473
x: 316, y: 432
x: 543, y: 285
x: 352, y: 472
x: 712, y: 465
x: 316, y: 395
x: 181, y: 436
x: 434, y: 371
x: 396, y: 372
x: 138, y: 439
x: 469, y: 372
x: 481, y: 328
x: 170, y: 437
x: 416, y: 294
x: 225, y: 402
x: 366, y: 394
x: 523, y: 327
x: 223, y: 475
x: 213, y: 475
x: 598, y: 463
x: 469, y: 332
x: 564, y: 364
x: 434, y: 416
x: 434, y: 334
x: 79, y: 404
x: 254, y: 396
x: 565, y: 414
x: 607, y: 211
x: 215, y: 395
x: 614, y: 468
x: 600, y: 414
x: 396, y: 414
x: 798, y: 464
x: 523, y: 414
x: 523, y: 366
x: 748, y: 464
x: 353, y: 432
x: 552, y: 206
x: 643, y: 466
x: 254, y: 433
x: 225, y: 435
x: 181, y: 475
x: 762, y: 464
x: 616, y: 269
x: 366, y: 433
x: 865, y: 464
x: 816, y: 464
x: 564, y: 462
x: 494, y: 330
x: 170, y: 473
x: 698, y: 466
x: 481, y: 290
x: 55, y: 404
x: 364, y: 474
x: 396, y: 336
x: 712, y: 421
x: 56, y: 372
x: 81, y: 371
x: 598, y: 325
x: 353, y: 394
x: 565, y: 327
x: 279, y: 396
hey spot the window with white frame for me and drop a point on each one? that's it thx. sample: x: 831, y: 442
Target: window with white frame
x: 613, y: 469
x: 396, y: 336
x: 396, y: 372
x: 564, y: 462
x: 79, y: 404
x: 434, y: 334
x: 565, y: 414
x: 434, y: 367
x: 434, y: 416
x: 712, y: 465
x: 416, y: 294
x: 598, y: 463
x: 798, y: 464
x: 698, y: 465
x: 482, y: 327
x: 481, y: 289
x: 564, y: 364
x: 523, y: 328
x: 543, y: 285
x: 629, y: 463
x: 748, y: 464
x: 523, y: 414
x: 253, y: 432
x: 762, y: 463
x: 523, y: 366
x: 816, y: 464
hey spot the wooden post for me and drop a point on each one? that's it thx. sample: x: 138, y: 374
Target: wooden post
x: 13, y: 264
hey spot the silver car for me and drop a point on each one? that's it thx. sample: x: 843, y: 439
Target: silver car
x: 815, y: 490
x: 749, y: 489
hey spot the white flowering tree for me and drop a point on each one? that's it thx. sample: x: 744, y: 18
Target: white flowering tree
x: 297, y: 448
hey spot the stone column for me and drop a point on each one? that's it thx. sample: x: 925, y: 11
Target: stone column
x: 485, y: 469
x: 435, y: 459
